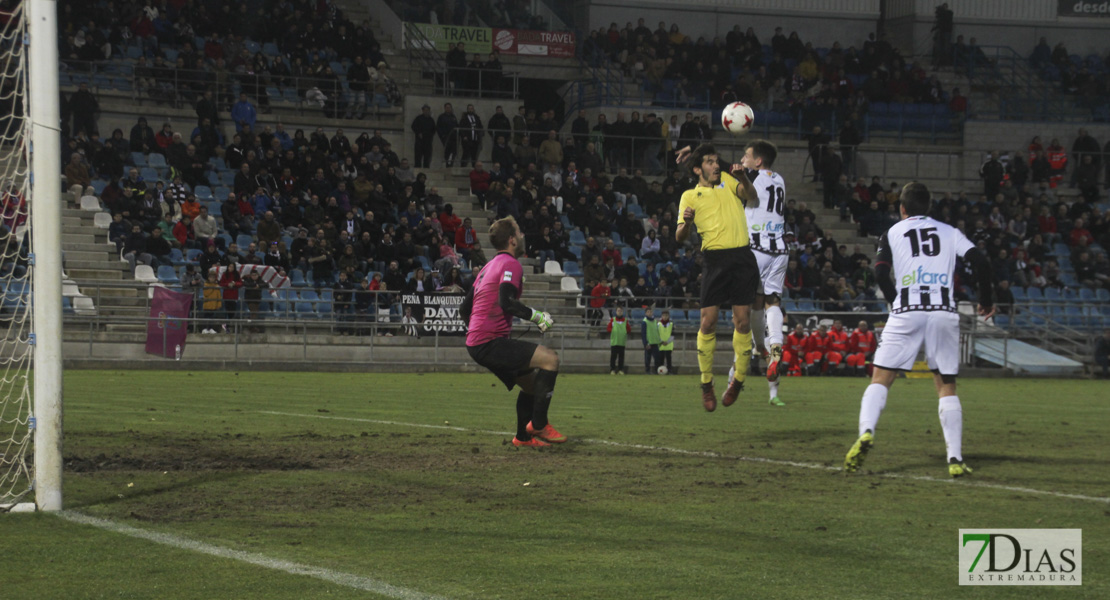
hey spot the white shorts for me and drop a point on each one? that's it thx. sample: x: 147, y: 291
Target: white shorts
x: 904, y: 333
x: 772, y: 271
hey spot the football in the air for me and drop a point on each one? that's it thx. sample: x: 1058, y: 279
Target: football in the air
x: 662, y: 370
x: 737, y: 118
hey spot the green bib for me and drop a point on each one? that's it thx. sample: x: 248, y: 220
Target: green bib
x: 666, y: 340
x: 619, y: 335
x: 652, y: 331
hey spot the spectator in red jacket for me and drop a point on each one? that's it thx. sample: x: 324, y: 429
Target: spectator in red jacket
x: 794, y: 351
x: 449, y: 222
x: 465, y: 237
x: 1079, y: 233
x: 479, y: 181
x: 611, y: 252
x: 817, y: 344
x: 838, y: 345
x: 861, y: 349
x: 230, y: 284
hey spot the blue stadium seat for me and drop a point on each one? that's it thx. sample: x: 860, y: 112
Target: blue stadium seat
x: 577, y: 252
x: 1051, y: 293
x: 203, y: 193
x: 243, y: 240
x: 305, y: 309
x: 636, y: 316
x: 177, y: 257
x: 138, y: 159
x: 67, y: 306
x: 627, y: 253
x: 616, y: 237
x: 98, y: 186
x: 577, y: 238
x: 1086, y: 295
x: 296, y: 278
x: 192, y: 255
x: 225, y: 237
x: 1034, y: 293
x: 1103, y: 295
x: 149, y: 174
x: 167, y: 275
x: 1018, y: 292
x: 571, y: 268
x: 221, y: 192
x: 1002, y: 320
x: 270, y: 49
x: 156, y: 160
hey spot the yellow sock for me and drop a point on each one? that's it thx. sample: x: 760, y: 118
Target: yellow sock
x: 707, y: 343
x: 742, y: 345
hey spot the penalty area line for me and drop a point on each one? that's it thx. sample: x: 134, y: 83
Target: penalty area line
x: 709, y: 454
x: 349, y: 580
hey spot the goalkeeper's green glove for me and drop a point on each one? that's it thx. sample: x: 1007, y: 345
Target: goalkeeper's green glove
x: 542, y: 320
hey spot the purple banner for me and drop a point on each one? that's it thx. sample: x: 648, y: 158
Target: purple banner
x: 166, y: 329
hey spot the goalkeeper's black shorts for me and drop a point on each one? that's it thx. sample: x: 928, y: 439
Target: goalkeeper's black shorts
x: 506, y: 358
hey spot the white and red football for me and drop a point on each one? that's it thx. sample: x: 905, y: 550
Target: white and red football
x: 737, y: 118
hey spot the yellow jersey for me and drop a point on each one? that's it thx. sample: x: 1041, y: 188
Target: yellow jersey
x: 718, y: 214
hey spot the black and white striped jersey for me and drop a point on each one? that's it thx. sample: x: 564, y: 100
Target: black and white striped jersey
x: 922, y: 253
x: 765, y: 221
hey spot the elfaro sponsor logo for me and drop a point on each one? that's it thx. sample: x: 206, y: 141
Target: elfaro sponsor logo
x: 767, y: 227
x: 922, y: 277
x: 1021, y: 557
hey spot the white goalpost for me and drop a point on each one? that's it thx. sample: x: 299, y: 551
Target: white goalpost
x: 30, y: 260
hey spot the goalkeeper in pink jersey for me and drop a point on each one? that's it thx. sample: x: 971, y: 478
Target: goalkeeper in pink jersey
x: 488, y: 309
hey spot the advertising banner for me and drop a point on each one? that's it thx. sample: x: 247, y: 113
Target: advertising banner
x: 534, y: 43
x: 435, y: 312
x: 445, y: 37
x: 1078, y: 8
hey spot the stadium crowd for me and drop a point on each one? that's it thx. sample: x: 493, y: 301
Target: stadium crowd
x: 787, y: 78
x: 306, y: 50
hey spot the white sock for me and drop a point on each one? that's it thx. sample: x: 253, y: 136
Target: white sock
x: 952, y: 422
x: 872, y: 405
x: 774, y: 325
x: 758, y: 334
x: 774, y: 385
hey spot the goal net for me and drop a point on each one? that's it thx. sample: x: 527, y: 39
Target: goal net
x: 16, y: 350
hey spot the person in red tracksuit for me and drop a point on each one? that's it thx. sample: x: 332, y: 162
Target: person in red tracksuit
x: 861, y: 349
x: 838, y: 347
x: 817, y: 344
x: 794, y: 351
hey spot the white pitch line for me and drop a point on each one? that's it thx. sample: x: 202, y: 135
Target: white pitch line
x: 349, y: 580
x: 707, y: 454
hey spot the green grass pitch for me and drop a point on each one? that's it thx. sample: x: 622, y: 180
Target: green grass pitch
x: 651, y: 498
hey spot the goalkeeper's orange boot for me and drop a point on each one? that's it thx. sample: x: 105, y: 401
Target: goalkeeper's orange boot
x: 733, y: 390
x: 547, y: 434
x: 531, y: 443
x: 773, y: 366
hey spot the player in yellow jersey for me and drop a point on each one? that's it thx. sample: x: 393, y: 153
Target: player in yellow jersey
x: 716, y: 208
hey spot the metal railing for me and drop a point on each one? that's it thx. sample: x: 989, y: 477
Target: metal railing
x: 1022, y: 93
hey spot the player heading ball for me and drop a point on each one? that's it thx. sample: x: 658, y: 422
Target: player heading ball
x: 488, y: 309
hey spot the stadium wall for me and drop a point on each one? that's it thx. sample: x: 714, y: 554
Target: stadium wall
x: 1019, y: 25
x: 854, y: 19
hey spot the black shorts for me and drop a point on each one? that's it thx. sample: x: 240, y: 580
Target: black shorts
x: 508, y: 359
x: 731, y: 277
